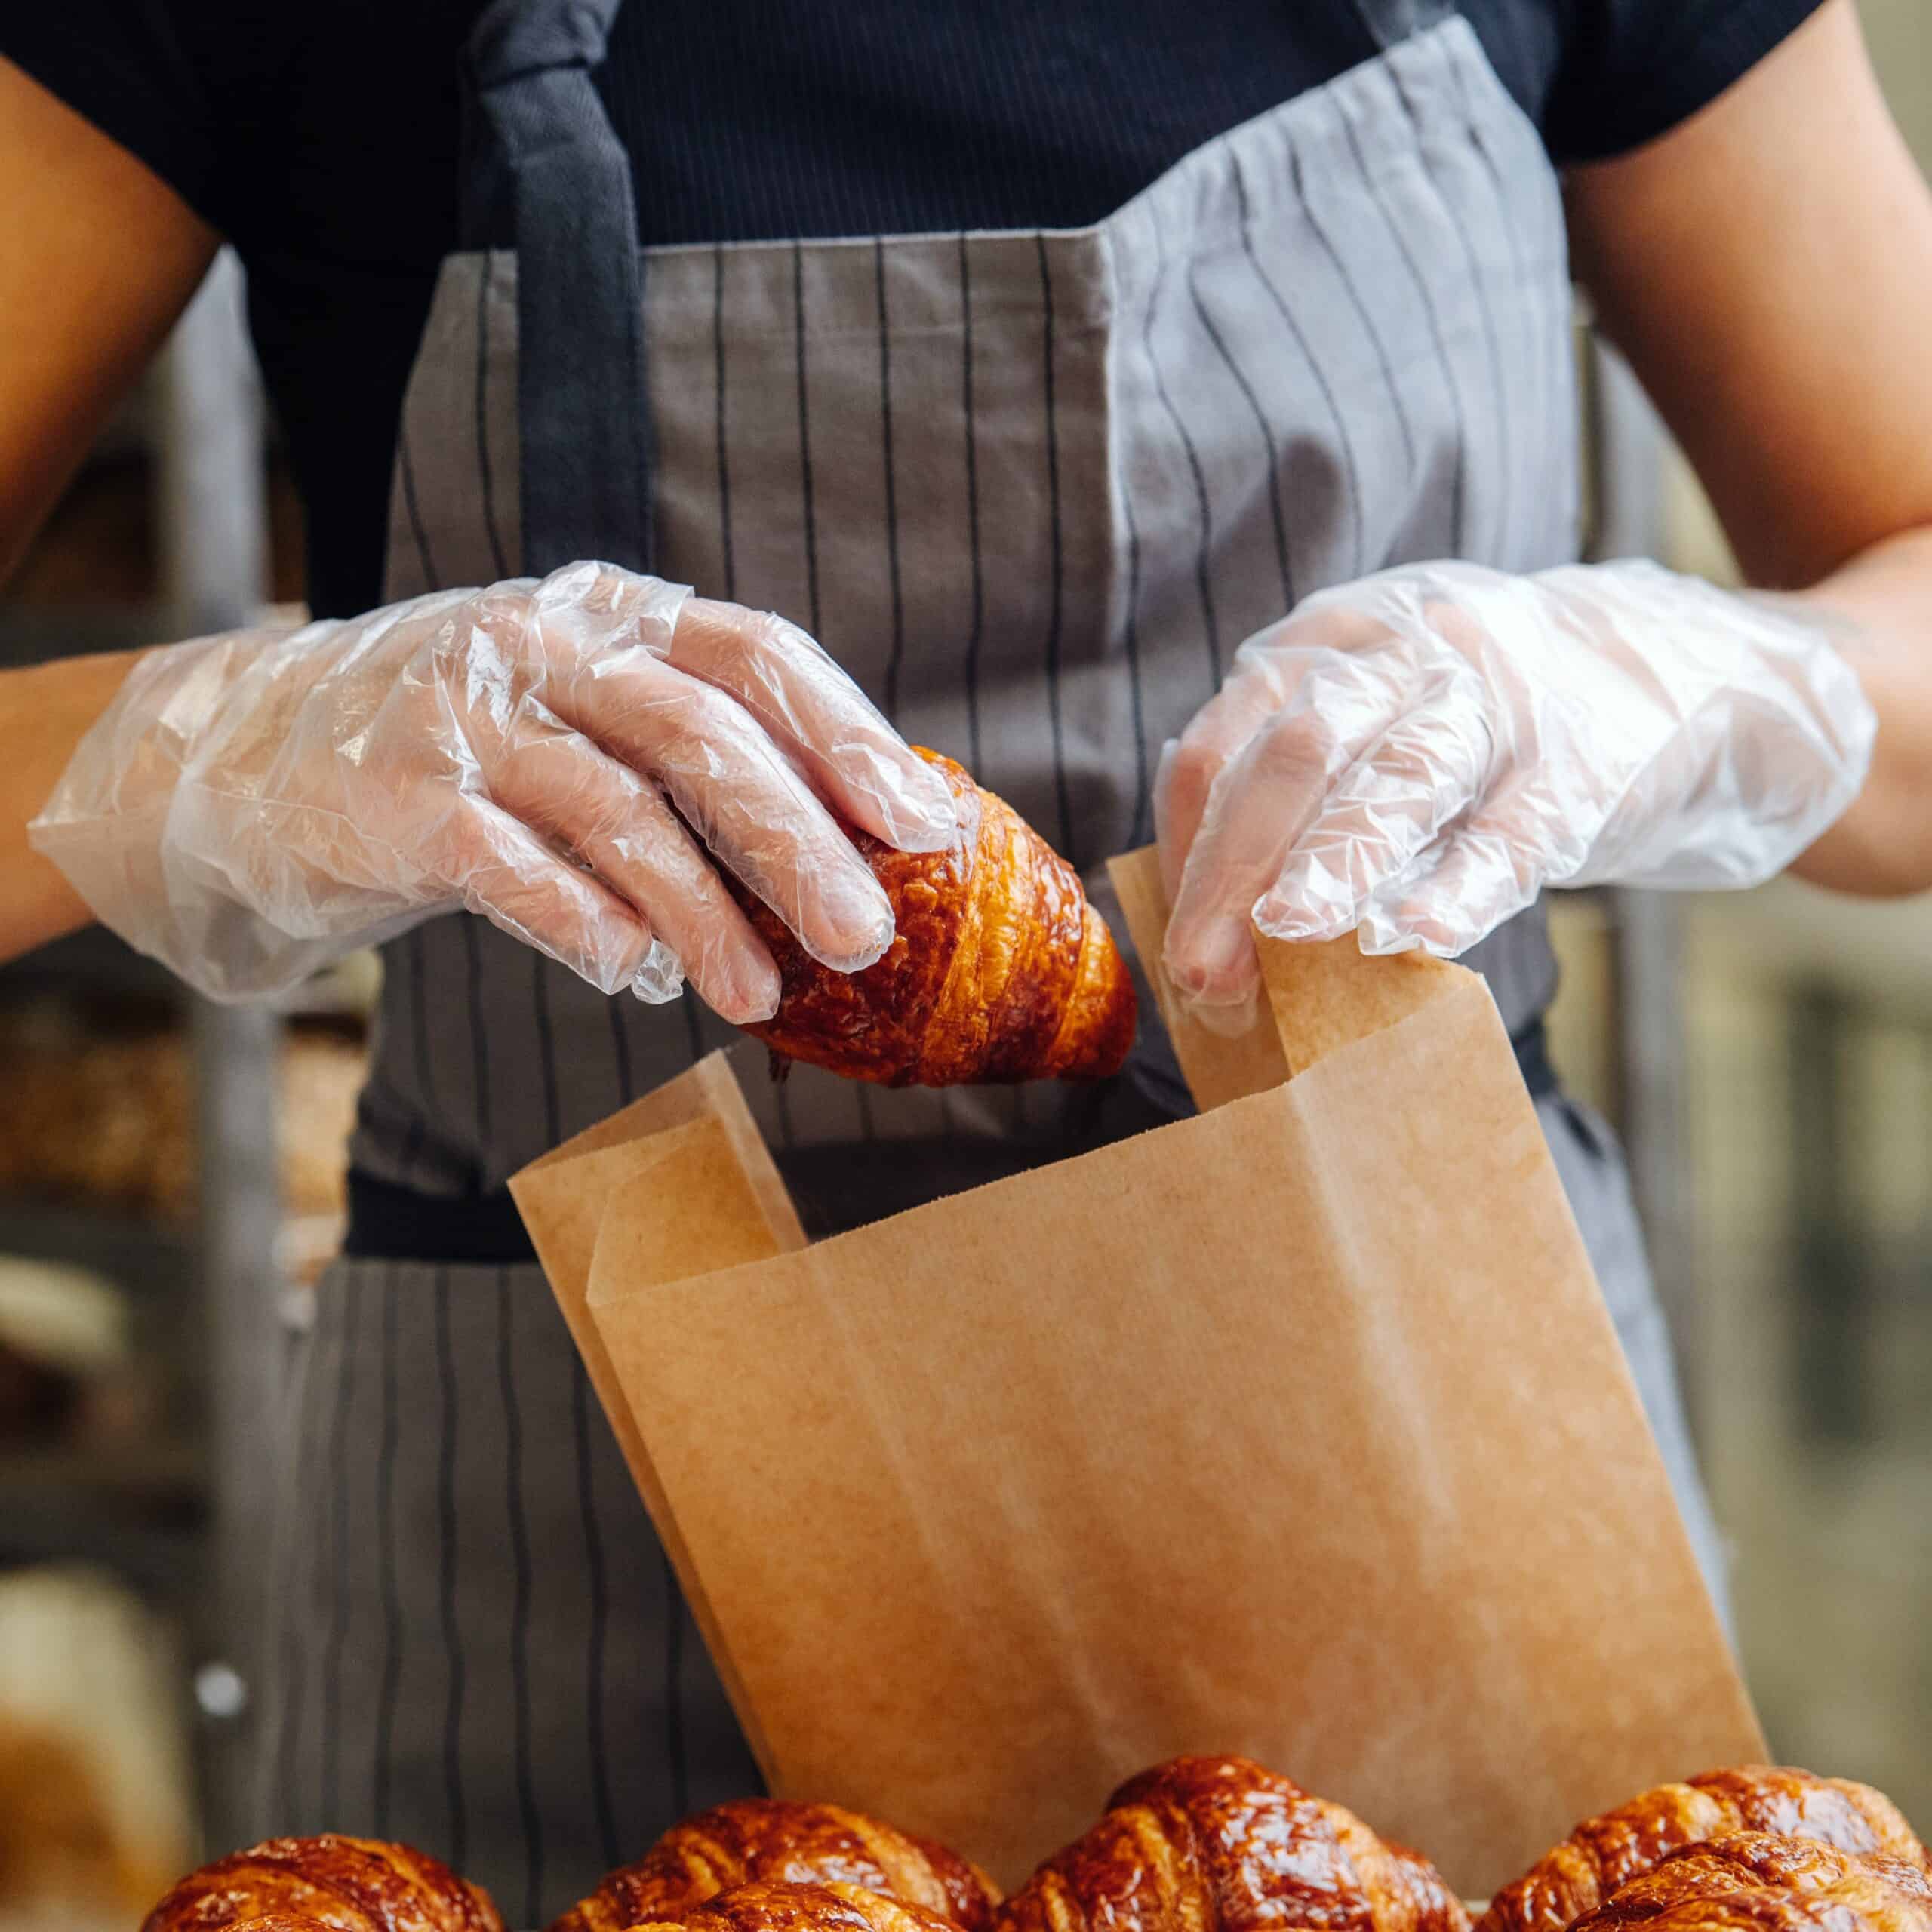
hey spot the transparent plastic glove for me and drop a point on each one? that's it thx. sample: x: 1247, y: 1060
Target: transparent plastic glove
x: 251, y: 806
x: 1418, y: 754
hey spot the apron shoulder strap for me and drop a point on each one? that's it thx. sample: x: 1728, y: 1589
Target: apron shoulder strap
x: 542, y: 161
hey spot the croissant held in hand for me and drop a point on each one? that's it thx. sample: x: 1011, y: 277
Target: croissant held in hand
x: 999, y: 971
x: 781, y: 1907
x: 350, y: 1885
x: 1218, y: 1844
x: 766, y: 1839
x: 1764, y: 1881
x: 1603, y: 1853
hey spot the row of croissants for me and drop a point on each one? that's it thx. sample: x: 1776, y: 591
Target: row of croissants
x: 1201, y: 1844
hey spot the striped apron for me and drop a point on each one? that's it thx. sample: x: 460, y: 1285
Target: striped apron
x: 1032, y: 490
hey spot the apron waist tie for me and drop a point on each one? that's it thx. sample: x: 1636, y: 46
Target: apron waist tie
x: 389, y: 1222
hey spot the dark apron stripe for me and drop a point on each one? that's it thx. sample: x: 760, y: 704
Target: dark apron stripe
x: 1505, y: 442
x: 898, y: 645
x: 1143, y: 787
x: 407, y: 954
x: 348, y: 1321
x: 1344, y: 440
x: 431, y: 581
x: 387, y: 1557
x: 1270, y: 455
x: 1204, y: 549
x: 730, y: 584
x: 448, y: 1528
x: 294, y: 1649
x: 976, y: 606
x: 694, y: 1011
x: 728, y: 589
x: 977, y: 617
x: 479, y: 1032
x: 519, y: 1527
x: 600, y: 1613
x: 547, y: 1047
x: 483, y: 473
x: 805, y: 438
x: 1458, y: 506
x: 1056, y: 590
x: 786, y: 1132
x: 620, y: 1050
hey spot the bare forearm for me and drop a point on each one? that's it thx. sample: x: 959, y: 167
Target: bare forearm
x: 44, y: 712
x: 1878, y: 607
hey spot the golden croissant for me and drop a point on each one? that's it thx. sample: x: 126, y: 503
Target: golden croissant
x: 1766, y: 1881
x: 754, y: 1840
x: 1218, y: 1844
x: 1604, y: 1853
x: 999, y: 971
x: 779, y: 1906
x: 350, y: 1885
x: 284, y: 1922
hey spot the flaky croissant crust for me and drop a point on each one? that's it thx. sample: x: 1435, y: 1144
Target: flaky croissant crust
x: 1605, y: 1852
x: 349, y: 1883
x: 777, y: 1906
x: 1220, y: 1844
x: 999, y: 970
x: 1766, y: 1881
x: 282, y: 1921
x: 764, y: 1840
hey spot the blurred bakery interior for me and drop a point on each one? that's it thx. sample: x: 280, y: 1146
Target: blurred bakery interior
x: 171, y: 1184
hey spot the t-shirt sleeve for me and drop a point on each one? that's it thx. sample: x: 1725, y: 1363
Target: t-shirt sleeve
x: 130, y: 67
x: 1632, y: 69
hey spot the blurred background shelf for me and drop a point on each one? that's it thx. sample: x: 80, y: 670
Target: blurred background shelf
x: 139, y: 1512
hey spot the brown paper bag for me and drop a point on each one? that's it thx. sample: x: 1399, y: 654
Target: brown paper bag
x: 1297, y: 1429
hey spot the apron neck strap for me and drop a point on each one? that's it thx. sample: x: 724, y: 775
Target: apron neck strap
x: 540, y: 150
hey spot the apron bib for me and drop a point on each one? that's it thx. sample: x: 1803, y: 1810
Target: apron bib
x: 1032, y: 490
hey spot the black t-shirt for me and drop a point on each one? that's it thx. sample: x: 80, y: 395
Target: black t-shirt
x: 323, y: 140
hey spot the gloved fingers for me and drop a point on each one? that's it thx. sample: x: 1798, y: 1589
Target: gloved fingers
x: 618, y: 824
x: 1263, y: 685
x: 504, y: 870
x: 1257, y: 808
x: 1366, y: 621
x: 1385, y: 813
x: 1457, y: 896
x: 820, y: 719
x: 1535, y: 828
x: 747, y: 801
x: 585, y: 610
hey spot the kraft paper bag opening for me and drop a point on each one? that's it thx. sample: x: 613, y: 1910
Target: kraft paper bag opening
x: 1298, y: 1430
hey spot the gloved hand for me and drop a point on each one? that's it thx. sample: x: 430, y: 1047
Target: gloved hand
x: 253, y: 805
x: 1418, y: 754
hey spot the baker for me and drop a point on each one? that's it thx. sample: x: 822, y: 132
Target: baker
x: 1070, y: 380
